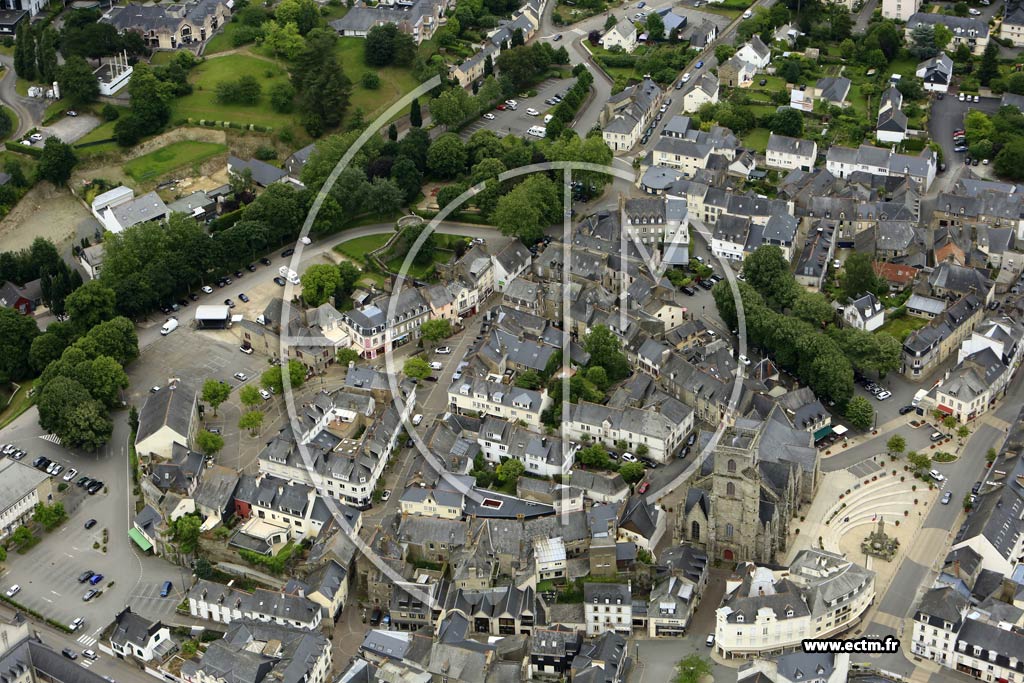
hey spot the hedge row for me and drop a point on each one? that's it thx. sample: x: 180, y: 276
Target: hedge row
x: 208, y: 123
x: 31, y: 612
x: 23, y: 149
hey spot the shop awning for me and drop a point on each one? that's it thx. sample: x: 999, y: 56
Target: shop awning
x: 139, y: 539
x: 822, y: 433
x: 945, y: 409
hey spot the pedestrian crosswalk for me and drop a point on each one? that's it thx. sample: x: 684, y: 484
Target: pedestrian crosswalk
x: 52, y: 438
x: 88, y: 641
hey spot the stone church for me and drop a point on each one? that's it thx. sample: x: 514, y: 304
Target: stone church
x: 741, y: 502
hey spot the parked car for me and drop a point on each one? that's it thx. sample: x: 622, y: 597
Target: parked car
x: 70, y: 474
x: 628, y: 457
x: 13, y: 590
x: 265, y: 261
x: 743, y: 359
x: 710, y: 640
x: 78, y: 623
x: 699, y: 65
x: 90, y: 594
x: 643, y: 487
x: 69, y: 653
x: 946, y: 497
x: 287, y: 252
x: 907, y: 409
x: 207, y: 289
x: 385, y: 496
x: 435, y: 365
x: 90, y: 524
x: 489, y: 116
x: 280, y: 281
x: 265, y: 394
x: 241, y: 376
x: 89, y: 654
x: 251, y: 267
x: 165, y: 589
x: 937, y: 476
x: 85, y: 576
x: 229, y: 303
x: 936, y: 436
x: 416, y: 419
x: 243, y: 298
x: 443, y: 350
x: 882, y: 395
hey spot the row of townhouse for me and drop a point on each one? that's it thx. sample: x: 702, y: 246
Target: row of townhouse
x: 542, y: 455
x: 485, y: 397
x: 736, y: 237
x: 224, y: 604
x: 525, y: 20
x: 926, y: 348
x: 846, y: 162
x: 627, y: 114
x: 822, y: 595
x: 661, y: 429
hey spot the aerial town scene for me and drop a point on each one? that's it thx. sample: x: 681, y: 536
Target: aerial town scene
x: 475, y: 341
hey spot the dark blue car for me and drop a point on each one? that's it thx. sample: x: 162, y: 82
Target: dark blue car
x: 95, y: 579
x: 165, y: 590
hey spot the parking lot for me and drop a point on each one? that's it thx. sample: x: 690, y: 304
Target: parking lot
x: 517, y: 122
x: 48, y: 572
x: 947, y: 116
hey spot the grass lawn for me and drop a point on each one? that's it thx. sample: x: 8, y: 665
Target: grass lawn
x: 202, y: 103
x: 156, y: 163
x: 163, y: 57
x: 905, y: 67
x: 858, y: 102
x: 901, y: 327
x: 757, y: 139
x: 104, y: 131
x: 394, y: 81
x: 416, y: 270
x: 358, y: 248
x: 336, y: 12
x: 723, y: 11
x: 9, y: 113
x: 222, y: 41
x: 18, y: 405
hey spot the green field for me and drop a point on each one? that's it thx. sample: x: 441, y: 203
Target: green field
x: 394, y: 81
x: 222, y: 42
x: 202, y: 103
x: 757, y: 139
x: 358, y: 248
x: 153, y: 165
x: 901, y: 327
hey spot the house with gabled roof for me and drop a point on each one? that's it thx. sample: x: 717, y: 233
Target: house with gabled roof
x: 937, y: 72
x: 169, y: 416
x: 623, y: 35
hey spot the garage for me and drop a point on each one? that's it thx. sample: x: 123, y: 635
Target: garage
x: 213, y: 317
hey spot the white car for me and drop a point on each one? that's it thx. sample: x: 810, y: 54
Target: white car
x: 443, y: 350
x: 435, y: 365
x: 686, y: 78
x: 937, y: 476
x: 628, y: 457
x: 489, y: 116
x: 78, y: 623
x: 882, y: 395
x: 744, y: 360
x: 961, y: 97
x: 70, y: 474
x: 241, y: 376
x: 511, y: 103
x: 748, y: 14
x: 384, y: 496
x: 416, y: 419
x: 547, y: 118
x: 207, y: 289
x: 36, y: 137
x: 13, y: 590
x: 265, y: 394
x: 532, y: 112
x: 974, y: 13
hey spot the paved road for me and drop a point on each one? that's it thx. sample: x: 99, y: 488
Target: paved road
x: 29, y: 111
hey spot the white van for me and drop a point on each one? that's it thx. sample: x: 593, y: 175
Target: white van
x: 170, y: 326
x: 537, y: 131
x: 289, y: 274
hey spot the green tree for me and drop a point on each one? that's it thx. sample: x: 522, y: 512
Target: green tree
x: 415, y: 116
x: 446, y: 157
x: 608, y: 23
x: 859, y: 276
x: 632, y: 472
x: 949, y: 422
x: 284, y: 40
x: 282, y: 98
x: 963, y: 431
x: 595, y: 456
x: 991, y: 455
x: 434, y: 331
x: 767, y: 271
x: 859, y: 412
x: 919, y: 462
x: 813, y: 308
x: 605, y: 351
x: 346, y: 356
x: 77, y: 82
x: 23, y: 537
x: 989, y: 66
x: 89, y: 305
x: 305, y: 14
x: 17, y: 334
x: 788, y: 122
x: 319, y: 283
x: 49, y: 516
x: 416, y: 368
x: 1009, y: 162
x: 655, y: 26
x: 692, y: 669
x: 56, y: 161
x: 896, y: 445
x: 529, y: 379
x: 208, y: 442
x: 215, y: 392
x: 509, y: 471
x: 185, y: 532
x: 252, y: 421
x: 249, y: 395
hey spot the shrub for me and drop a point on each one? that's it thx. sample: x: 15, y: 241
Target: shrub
x: 111, y: 113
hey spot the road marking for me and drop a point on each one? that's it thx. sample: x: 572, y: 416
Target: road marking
x: 47, y: 599
x: 55, y: 593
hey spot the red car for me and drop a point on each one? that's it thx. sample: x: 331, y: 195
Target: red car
x: 501, y: 107
x: 643, y: 487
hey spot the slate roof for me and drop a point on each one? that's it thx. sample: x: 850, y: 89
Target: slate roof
x: 960, y: 26
x: 148, y: 207
x: 172, y: 406
x: 19, y: 479
x: 263, y: 174
x: 784, y: 144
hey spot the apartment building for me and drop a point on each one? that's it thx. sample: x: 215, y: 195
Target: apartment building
x: 486, y: 397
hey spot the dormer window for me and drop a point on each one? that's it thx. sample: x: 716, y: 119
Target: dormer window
x: 739, y: 618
